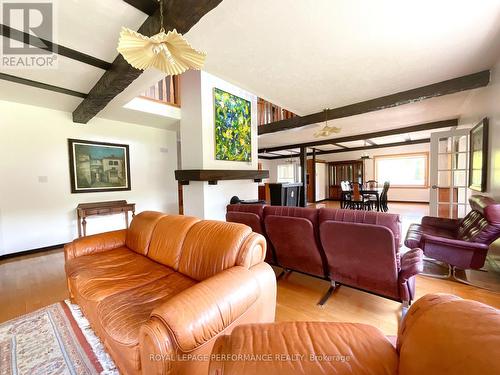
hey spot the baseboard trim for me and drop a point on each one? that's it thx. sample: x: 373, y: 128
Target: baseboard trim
x: 32, y: 251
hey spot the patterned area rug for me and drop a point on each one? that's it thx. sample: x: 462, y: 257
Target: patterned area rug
x: 56, y: 339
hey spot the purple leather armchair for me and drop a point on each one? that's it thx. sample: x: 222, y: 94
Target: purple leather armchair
x: 460, y: 243
x: 362, y: 249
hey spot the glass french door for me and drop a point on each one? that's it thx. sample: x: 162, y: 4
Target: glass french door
x: 449, y: 170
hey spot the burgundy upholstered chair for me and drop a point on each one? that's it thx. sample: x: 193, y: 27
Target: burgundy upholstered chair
x: 293, y: 231
x: 253, y: 216
x: 362, y: 250
x: 461, y: 243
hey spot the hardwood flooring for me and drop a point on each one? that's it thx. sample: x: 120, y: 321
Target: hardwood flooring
x: 32, y: 281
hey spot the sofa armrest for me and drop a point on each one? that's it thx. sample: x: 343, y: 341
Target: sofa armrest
x: 198, y: 314
x: 95, y: 244
x: 440, y: 222
x: 411, y: 264
x: 451, y: 243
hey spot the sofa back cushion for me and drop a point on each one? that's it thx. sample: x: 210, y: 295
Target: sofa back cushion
x: 293, y: 232
x: 390, y: 221
x: 362, y: 256
x: 141, y: 229
x: 482, y: 224
x: 248, y: 214
x: 168, y: 238
x: 211, y: 247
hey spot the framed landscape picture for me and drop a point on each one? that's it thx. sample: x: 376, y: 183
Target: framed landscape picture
x: 98, y: 166
x: 233, y: 127
x: 478, y: 157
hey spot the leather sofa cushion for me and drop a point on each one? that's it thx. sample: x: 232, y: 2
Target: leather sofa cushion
x: 113, y: 258
x: 98, y: 279
x: 168, y: 238
x: 123, y: 314
x: 369, y: 351
x: 443, y: 334
x: 141, y: 229
x: 211, y: 247
x: 415, y: 232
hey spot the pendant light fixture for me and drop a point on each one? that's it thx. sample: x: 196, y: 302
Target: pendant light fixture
x: 326, y: 130
x: 167, y: 52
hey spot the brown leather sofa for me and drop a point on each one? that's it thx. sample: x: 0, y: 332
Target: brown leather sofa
x: 159, y: 293
x: 441, y: 334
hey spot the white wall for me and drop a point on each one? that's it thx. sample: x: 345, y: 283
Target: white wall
x: 486, y: 103
x: 395, y: 194
x: 33, y: 143
x: 198, y: 146
x: 321, y: 181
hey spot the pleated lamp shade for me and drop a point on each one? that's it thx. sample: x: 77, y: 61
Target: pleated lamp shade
x: 169, y: 53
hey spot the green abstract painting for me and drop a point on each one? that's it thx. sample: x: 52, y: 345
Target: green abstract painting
x: 233, y: 128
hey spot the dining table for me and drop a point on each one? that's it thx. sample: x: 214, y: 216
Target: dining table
x: 366, y: 192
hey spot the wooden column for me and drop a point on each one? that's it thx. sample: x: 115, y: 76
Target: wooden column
x: 313, y: 176
x: 303, y: 176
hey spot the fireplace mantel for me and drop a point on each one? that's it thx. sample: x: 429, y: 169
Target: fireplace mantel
x: 215, y: 175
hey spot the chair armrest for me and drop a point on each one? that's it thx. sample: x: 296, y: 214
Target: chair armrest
x: 451, y: 243
x: 198, y: 314
x: 411, y: 264
x: 440, y: 222
x: 95, y: 244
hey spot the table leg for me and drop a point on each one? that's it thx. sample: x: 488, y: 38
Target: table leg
x: 79, y: 226
x: 378, y: 202
x: 126, y: 219
x: 84, y: 226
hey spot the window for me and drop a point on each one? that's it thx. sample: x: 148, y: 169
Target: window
x: 286, y: 172
x: 406, y: 170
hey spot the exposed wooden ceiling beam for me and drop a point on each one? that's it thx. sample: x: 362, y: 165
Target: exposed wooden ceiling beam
x: 358, y: 137
x: 371, y: 147
x: 180, y: 15
x: 338, y: 145
x: 41, y: 85
x: 145, y: 6
x: 468, y: 82
x: 47, y: 45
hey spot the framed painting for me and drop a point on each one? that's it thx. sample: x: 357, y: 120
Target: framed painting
x: 233, y: 127
x: 478, y: 156
x: 98, y: 167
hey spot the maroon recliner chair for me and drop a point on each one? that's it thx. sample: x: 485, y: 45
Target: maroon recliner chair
x: 253, y: 216
x: 461, y: 243
x: 362, y: 249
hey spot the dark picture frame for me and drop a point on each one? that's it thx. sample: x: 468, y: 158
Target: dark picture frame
x: 478, y: 156
x: 96, y: 167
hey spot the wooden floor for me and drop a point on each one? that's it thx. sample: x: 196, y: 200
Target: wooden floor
x: 30, y: 282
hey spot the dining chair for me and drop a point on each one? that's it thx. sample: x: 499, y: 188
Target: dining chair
x: 371, y: 198
x: 383, y: 197
x: 358, y: 201
x: 345, y: 198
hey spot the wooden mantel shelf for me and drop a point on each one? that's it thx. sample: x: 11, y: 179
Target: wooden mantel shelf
x: 215, y: 175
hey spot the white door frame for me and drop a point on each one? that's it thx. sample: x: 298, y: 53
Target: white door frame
x: 435, y: 169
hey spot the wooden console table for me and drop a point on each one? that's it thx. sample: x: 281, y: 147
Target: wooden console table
x: 85, y: 210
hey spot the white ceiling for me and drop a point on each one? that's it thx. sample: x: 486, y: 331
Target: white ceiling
x: 435, y: 109
x: 309, y: 55
x: 303, y: 55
